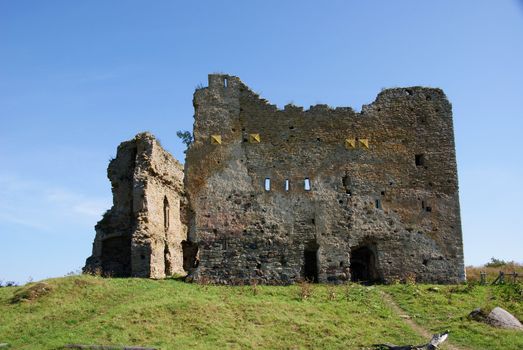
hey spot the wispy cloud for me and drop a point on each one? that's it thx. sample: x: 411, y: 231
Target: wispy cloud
x: 22, y: 221
x: 46, y: 207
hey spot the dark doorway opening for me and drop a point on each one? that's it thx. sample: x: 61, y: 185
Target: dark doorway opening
x: 190, y: 255
x: 116, y: 256
x: 310, y: 259
x: 167, y: 261
x: 363, y: 265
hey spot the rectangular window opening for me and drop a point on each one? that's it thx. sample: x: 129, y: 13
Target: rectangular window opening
x: 425, y: 207
x: 225, y: 82
x: 378, y: 203
x: 420, y: 160
x: 287, y: 185
x: 267, y: 184
x: 307, y: 184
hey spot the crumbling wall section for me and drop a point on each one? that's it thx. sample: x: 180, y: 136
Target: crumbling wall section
x: 112, y: 244
x: 142, y: 234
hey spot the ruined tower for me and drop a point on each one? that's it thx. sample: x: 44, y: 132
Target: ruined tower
x: 281, y: 195
x: 325, y: 194
x: 142, y: 234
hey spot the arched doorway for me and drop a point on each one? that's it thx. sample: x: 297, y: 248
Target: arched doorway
x: 310, y: 262
x: 363, y: 265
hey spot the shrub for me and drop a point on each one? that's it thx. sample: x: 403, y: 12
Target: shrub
x: 410, y: 278
x: 331, y: 293
x: 495, y: 263
x: 305, y: 290
x: 254, y: 287
x: 186, y: 137
x: 512, y: 292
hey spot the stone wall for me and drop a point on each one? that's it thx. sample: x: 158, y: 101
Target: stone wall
x: 383, y: 200
x: 142, y: 234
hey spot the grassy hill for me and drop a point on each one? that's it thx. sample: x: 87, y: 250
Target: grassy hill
x: 171, y: 314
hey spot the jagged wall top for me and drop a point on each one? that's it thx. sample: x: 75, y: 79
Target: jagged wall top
x: 219, y: 83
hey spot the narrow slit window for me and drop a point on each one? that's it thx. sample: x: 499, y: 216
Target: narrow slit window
x: 419, y: 159
x: 267, y: 184
x: 287, y: 185
x: 165, y: 213
x: 225, y: 82
x: 378, y: 203
x: 307, y: 184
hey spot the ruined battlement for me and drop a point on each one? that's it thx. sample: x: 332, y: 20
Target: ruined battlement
x: 326, y: 194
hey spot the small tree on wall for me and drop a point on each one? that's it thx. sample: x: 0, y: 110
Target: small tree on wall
x: 186, y: 137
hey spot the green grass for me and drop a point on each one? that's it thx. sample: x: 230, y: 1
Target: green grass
x: 448, y: 307
x: 170, y: 314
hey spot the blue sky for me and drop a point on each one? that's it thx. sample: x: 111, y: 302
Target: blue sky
x: 79, y: 77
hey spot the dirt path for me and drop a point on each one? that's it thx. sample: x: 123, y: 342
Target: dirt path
x: 413, y: 325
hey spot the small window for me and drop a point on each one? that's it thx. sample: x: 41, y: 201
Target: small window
x: 378, y: 203
x: 420, y: 160
x: 267, y: 184
x: 225, y: 82
x: 287, y: 185
x: 165, y: 213
x: 345, y: 180
x: 307, y: 184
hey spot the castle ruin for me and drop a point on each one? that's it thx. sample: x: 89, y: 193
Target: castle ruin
x: 280, y: 195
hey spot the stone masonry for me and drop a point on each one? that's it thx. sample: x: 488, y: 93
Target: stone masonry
x: 281, y: 195
x: 142, y: 234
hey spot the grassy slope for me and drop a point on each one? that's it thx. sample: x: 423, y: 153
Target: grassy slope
x: 171, y: 314
x: 448, y: 307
